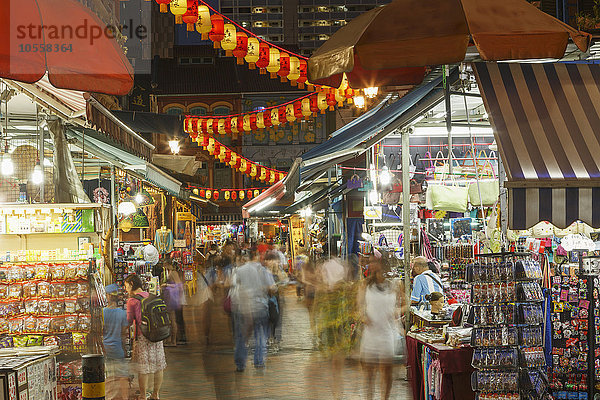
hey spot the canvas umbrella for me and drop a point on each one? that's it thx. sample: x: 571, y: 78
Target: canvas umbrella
x: 388, y: 44
x: 66, y: 40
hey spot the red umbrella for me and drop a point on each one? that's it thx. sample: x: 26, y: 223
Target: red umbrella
x: 66, y: 40
x: 416, y: 33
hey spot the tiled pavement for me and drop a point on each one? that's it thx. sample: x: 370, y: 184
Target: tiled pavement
x: 296, y: 372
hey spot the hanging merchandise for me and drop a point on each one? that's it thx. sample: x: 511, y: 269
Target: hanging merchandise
x: 484, y: 192
x: 448, y: 198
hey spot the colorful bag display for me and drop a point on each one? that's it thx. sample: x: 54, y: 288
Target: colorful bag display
x: 354, y: 182
x: 485, y: 193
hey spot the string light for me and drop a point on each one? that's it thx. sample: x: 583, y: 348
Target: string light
x: 8, y: 167
x: 359, y: 101
x: 371, y: 92
x: 38, y: 175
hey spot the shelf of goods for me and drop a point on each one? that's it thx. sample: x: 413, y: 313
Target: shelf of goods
x: 459, y: 256
x: 51, y: 282
x: 507, y: 337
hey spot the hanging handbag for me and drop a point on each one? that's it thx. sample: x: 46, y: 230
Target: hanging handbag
x: 391, y: 198
x: 484, y: 193
x: 419, y: 174
x: 354, y: 182
x: 430, y: 169
x: 449, y: 198
x: 415, y: 187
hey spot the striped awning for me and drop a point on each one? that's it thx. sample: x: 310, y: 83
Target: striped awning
x: 546, y: 120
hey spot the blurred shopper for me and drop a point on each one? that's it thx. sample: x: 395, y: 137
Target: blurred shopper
x: 201, y: 304
x: 354, y: 266
x: 172, y: 291
x: 273, y: 265
x: 148, y: 357
x: 114, y: 335
x: 310, y: 282
x: 377, y: 302
x: 252, y: 284
x: 336, y: 316
x: 299, y: 264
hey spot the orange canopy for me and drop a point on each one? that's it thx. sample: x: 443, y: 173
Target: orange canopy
x: 67, y: 40
x: 417, y: 33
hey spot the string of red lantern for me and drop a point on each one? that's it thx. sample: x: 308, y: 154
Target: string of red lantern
x: 239, y: 42
x: 226, y: 194
x: 289, y: 112
x: 242, y: 164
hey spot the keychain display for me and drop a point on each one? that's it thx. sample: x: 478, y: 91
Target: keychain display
x: 495, y: 314
x: 490, y: 293
x: 530, y: 291
x: 494, y: 337
x: 495, y: 381
x: 495, y: 357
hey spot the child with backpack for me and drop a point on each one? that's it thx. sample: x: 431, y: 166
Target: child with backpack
x: 150, y: 318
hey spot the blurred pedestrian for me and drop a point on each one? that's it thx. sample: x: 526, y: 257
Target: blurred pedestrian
x: 201, y: 304
x: 272, y: 263
x: 172, y: 291
x: 251, y: 287
x: 335, y: 310
x: 148, y: 357
x: 114, y: 334
x: 377, y: 301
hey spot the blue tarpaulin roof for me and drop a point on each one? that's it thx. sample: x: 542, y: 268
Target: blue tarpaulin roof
x: 370, y: 123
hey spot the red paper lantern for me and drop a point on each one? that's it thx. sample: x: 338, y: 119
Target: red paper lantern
x: 268, y: 175
x: 216, y: 195
x: 194, y: 126
x: 191, y: 15
x: 249, y: 165
x: 217, y: 149
x: 205, y: 140
x: 217, y: 33
x: 164, y: 5
x: 238, y: 162
x: 281, y: 114
x: 202, y: 193
x: 215, y: 126
x: 227, y: 156
x: 264, y: 56
x: 284, y: 66
x: 303, y: 74
x: 331, y: 101
x: 227, y: 125
x: 240, y: 124
x: 204, y: 126
x: 249, y: 194
x: 234, y: 195
x: 253, y: 125
x: 298, y: 109
x: 267, y: 118
x: 241, y: 49
x: 314, y: 104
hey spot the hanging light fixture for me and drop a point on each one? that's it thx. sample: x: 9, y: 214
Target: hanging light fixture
x: 359, y: 101
x: 37, y: 177
x: 126, y: 208
x: 7, y: 167
x: 371, y: 92
x: 385, y: 177
x: 139, y: 198
x: 174, y: 146
x: 374, y: 197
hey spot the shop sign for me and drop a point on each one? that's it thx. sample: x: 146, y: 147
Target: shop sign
x: 373, y: 212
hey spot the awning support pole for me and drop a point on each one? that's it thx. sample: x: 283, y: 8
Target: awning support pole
x: 448, y: 116
x: 406, y: 214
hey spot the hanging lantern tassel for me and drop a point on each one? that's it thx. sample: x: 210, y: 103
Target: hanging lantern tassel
x: 217, y: 33
x: 164, y: 5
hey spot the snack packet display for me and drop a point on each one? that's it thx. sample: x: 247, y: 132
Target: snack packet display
x: 4, y: 326
x: 3, y: 290
x: 57, y: 271
x: 71, y: 323
x: 29, y: 324
x: 15, y: 325
x: 44, y: 306
x: 70, y: 305
x: 82, y: 270
x: 83, y: 305
x: 51, y: 341
x: 43, y: 289
x: 6, y: 342
x: 72, y: 289
x: 31, y: 306
x: 57, y: 325
x: 20, y: 341
x: 79, y: 339
x: 83, y: 289
x: 70, y: 271
x: 15, y: 290
x: 42, y: 272
x: 29, y: 272
x: 57, y: 289
x: 30, y: 289
x: 35, y: 340
x: 16, y: 273
x: 43, y: 324
x: 84, y: 322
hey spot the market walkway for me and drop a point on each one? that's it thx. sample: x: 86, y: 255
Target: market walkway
x: 295, y: 372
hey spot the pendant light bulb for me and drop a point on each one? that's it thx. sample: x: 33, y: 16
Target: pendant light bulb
x: 373, y: 197
x: 359, y: 101
x: 385, y: 177
x: 7, y: 167
x: 37, y: 177
x: 139, y: 198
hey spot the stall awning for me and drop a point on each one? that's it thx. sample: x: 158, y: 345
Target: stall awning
x: 125, y: 160
x: 263, y: 200
x: 546, y: 120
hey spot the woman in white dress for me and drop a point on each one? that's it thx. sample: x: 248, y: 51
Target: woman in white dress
x: 378, y: 299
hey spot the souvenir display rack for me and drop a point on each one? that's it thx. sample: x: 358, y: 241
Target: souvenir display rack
x: 508, y: 318
x: 459, y: 255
